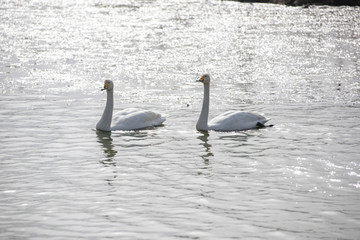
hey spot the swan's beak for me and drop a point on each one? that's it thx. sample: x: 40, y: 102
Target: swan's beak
x: 106, y: 86
x: 201, y: 79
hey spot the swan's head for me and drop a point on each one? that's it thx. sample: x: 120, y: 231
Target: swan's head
x: 205, y: 79
x: 108, y: 85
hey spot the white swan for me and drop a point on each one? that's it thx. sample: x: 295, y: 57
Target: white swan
x: 228, y: 121
x: 127, y: 119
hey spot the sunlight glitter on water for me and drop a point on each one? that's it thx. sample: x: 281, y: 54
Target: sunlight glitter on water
x: 63, y: 179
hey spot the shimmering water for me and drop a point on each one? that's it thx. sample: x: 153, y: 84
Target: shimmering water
x: 298, y: 66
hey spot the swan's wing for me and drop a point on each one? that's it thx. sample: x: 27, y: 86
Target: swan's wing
x: 133, y: 118
x: 232, y: 121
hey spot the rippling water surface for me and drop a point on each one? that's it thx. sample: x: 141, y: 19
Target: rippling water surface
x: 62, y: 179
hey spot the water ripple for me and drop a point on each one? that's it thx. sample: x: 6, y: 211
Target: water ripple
x: 63, y: 179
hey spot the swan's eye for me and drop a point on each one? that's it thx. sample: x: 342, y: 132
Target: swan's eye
x: 106, y: 85
x: 202, y: 78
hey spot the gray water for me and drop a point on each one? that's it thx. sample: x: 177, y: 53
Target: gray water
x: 61, y: 179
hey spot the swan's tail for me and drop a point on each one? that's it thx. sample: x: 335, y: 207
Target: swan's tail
x: 262, y: 124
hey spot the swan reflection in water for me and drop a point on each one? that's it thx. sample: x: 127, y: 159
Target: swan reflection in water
x: 208, y: 154
x: 129, y: 139
x: 234, y: 140
x: 106, y: 141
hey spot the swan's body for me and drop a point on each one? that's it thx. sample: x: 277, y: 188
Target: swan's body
x: 228, y: 121
x: 127, y: 119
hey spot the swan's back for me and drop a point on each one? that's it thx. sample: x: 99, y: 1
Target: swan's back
x: 236, y: 121
x: 133, y: 118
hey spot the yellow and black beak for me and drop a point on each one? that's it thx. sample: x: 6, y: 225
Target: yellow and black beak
x: 106, y: 86
x: 201, y: 79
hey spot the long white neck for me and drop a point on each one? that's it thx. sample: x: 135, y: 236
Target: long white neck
x: 105, y: 122
x: 202, y: 123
